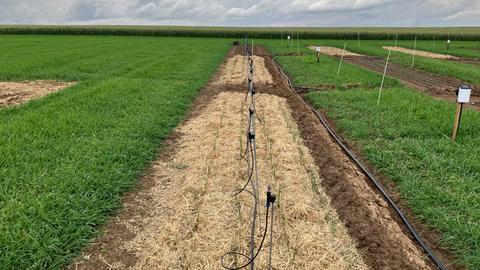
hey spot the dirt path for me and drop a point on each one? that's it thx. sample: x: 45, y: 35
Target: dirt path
x: 419, y: 53
x: 464, y: 60
x: 16, y: 93
x: 439, y: 86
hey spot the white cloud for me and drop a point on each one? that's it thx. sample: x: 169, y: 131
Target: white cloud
x: 244, y: 13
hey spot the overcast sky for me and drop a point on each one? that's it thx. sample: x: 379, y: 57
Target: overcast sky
x: 244, y: 12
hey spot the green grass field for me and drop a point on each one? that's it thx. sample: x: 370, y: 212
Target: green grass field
x: 466, y: 72
x: 407, y: 138
x: 67, y: 158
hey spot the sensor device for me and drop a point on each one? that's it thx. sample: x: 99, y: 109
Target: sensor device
x: 463, y: 94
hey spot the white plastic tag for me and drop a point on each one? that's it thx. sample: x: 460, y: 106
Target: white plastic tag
x: 464, y: 95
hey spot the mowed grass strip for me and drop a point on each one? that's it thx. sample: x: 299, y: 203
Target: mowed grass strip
x: 407, y: 138
x: 66, y: 159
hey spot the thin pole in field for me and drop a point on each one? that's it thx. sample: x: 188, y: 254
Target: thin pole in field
x: 298, y: 46
x: 341, y: 59
x: 434, y: 41
x: 252, y: 49
x: 414, y: 51
x: 396, y: 41
x: 291, y: 42
x: 383, y: 78
x: 282, y: 39
x: 358, y: 39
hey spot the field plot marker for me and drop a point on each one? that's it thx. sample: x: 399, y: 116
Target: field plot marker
x: 383, y: 78
x: 414, y: 51
x: 341, y: 59
x: 463, y: 96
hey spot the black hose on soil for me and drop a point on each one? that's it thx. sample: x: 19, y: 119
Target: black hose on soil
x: 375, y: 182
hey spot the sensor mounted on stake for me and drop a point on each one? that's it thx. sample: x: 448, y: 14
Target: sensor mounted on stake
x: 463, y: 94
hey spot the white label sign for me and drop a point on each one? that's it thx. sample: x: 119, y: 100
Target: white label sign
x: 464, y: 95
x: 317, y: 49
x: 288, y: 37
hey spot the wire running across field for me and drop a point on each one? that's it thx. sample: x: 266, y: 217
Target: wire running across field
x: 250, y: 155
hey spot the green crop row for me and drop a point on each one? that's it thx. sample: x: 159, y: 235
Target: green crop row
x: 264, y: 32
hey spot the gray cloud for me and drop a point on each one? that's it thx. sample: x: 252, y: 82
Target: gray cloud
x: 244, y: 13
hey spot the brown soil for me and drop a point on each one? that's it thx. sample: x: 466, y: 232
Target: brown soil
x: 16, y: 93
x: 464, y: 60
x: 419, y: 53
x: 439, y: 86
x: 333, y: 51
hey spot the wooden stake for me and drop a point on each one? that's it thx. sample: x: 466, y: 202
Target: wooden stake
x: 383, y: 78
x: 341, y: 59
x: 458, y: 117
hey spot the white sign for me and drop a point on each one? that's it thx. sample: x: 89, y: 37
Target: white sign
x: 317, y: 49
x: 288, y: 37
x: 464, y: 95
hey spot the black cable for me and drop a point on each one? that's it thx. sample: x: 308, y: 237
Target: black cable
x: 376, y: 183
x: 238, y: 191
x: 250, y: 261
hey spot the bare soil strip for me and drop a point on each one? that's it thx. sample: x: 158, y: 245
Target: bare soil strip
x: 419, y: 53
x: 439, y: 86
x: 333, y: 51
x: 465, y: 60
x: 16, y: 93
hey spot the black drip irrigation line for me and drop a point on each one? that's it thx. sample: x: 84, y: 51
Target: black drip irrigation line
x: 250, y: 155
x: 365, y: 171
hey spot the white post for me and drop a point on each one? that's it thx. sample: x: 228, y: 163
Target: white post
x: 396, y: 41
x: 252, y: 48
x: 414, y: 51
x: 383, y: 78
x: 298, y: 46
x: 341, y: 59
